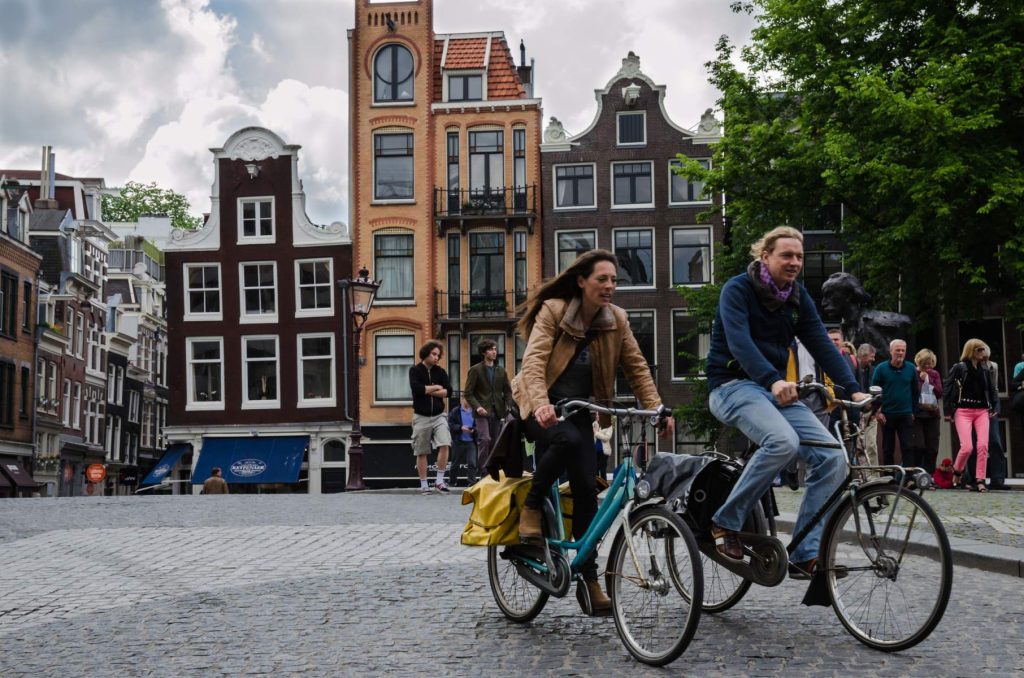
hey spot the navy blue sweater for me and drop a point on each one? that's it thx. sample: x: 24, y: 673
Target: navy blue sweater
x: 753, y: 332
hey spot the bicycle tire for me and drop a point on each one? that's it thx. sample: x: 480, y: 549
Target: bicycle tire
x: 518, y: 599
x: 897, y: 583
x: 656, y: 623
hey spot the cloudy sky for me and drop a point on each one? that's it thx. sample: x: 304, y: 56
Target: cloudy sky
x: 141, y: 89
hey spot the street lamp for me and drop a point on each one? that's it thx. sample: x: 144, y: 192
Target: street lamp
x: 360, y: 294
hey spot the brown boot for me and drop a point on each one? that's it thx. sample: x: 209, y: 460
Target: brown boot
x: 592, y: 599
x: 529, y: 523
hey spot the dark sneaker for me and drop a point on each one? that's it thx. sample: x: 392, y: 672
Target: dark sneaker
x: 442, y: 487
x: 426, y: 490
x: 727, y: 542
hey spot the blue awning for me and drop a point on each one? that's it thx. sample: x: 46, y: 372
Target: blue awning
x: 263, y: 459
x: 166, y: 463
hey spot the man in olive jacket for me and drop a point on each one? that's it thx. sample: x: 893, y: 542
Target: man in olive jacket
x: 488, y: 393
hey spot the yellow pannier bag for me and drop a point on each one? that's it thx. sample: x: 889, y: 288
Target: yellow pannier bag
x: 494, y: 520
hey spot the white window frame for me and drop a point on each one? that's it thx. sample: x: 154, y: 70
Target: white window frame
x: 567, y: 231
x: 314, y: 312
x: 216, y: 316
x: 119, y: 382
x: 303, y: 401
x: 672, y: 175
x: 133, y: 406
x: 244, y: 316
x: 618, y: 140
x: 703, y: 342
x: 460, y: 72
x: 257, y: 239
x: 260, y: 404
x: 654, y: 318
x: 76, y: 405
x: 611, y: 187
x: 671, y: 254
x: 79, y: 334
x: 190, y: 377
x: 654, y: 258
x: 415, y: 360
x: 65, y: 403
x: 554, y: 187
x: 397, y: 301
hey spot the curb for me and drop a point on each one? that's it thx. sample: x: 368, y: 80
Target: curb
x: 977, y: 555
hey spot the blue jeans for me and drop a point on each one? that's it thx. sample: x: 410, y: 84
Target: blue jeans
x: 778, y: 431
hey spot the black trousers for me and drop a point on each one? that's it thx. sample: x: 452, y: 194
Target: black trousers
x: 463, y: 454
x: 901, y: 425
x: 926, y: 441
x: 567, y: 447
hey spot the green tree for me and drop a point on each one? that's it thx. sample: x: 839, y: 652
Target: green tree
x: 909, y: 114
x: 136, y: 199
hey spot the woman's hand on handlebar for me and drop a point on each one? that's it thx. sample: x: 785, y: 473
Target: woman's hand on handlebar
x: 784, y: 392
x: 667, y: 429
x: 546, y: 416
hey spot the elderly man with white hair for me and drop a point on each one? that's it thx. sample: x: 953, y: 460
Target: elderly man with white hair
x: 900, y: 395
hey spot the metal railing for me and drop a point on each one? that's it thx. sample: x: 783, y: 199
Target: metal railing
x: 482, y: 304
x: 507, y: 201
x: 125, y: 260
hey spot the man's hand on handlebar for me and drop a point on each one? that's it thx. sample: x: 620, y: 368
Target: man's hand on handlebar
x: 785, y: 392
x: 667, y: 427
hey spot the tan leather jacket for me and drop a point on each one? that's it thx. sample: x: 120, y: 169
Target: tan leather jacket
x: 552, y: 345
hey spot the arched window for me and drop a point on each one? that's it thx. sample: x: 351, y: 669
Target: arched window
x: 334, y: 450
x: 392, y: 74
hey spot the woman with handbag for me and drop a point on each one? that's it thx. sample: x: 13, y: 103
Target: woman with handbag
x: 576, y: 339
x: 971, y: 401
x: 927, y: 418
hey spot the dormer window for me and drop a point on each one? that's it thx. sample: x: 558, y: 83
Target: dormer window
x: 632, y: 129
x: 466, y: 87
x: 256, y: 220
x: 392, y: 74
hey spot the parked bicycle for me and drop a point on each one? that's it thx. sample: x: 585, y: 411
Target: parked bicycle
x: 653, y: 575
x: 885, y: 564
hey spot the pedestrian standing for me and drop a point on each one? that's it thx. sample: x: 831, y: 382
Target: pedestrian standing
x: 899, y: 400
x: 970, y: 403
x: 215, y: 484
x: 928, y: 417
x: 488, y: 392
x: 462, y: 423
x: 430, y: 386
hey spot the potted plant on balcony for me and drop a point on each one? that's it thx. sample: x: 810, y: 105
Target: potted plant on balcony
x: 486, y: 307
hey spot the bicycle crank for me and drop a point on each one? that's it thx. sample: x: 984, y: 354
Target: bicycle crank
x: 555, y: 581
x: 765, y: 560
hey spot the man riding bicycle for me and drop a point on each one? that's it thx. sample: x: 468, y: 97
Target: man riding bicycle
x: 759, y: 314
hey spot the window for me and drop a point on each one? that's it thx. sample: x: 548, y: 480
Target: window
x: 26, y: 305
x: 25, y: 403
x: 519, y: 169
x: 394, y: 355
x: 76, y: 406
x: 691, y: 256
x: 574, y: 186
x: 454, y: 356
x: 65, y: 403
x: 519, y: 266
x: 392, y: 74
x: 571, y: 244
x: 119, y: 384
x: 642, y: 324
x: 520, y: 351
x: 454, y: 202
x: 8, y: 303
x: 316, y: 367
x: 392, y: 167
x: 818, y: 266
x: 632, y: 128
x: 465, y: 87
x: 6, y: 394
x: 94, y: 360
x: 487, y: 270
x: 52, y: 390
x: 314, y: 294
x: 487, y: 167
x: 133, y: 406
x: 256, y: 219
x: 631, y: 186
x: 334, y: 450
x: 205, y: 373
x: 635, y: 252
x: 685, y: 190
x: 260, y: 374
x: 259, y: 291
x: 202, y: 292
x: 392, y: 263
x: 80, y: 336
x: 454, y: 275
x: 687, y: 350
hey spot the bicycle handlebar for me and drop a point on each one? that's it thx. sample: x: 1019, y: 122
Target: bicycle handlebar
x: 808, y: 384
x: 571, y: 407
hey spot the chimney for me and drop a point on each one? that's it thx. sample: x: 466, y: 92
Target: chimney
x: 525, y: 72
x: 46, y: 179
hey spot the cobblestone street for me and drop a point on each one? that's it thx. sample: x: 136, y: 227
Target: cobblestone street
x: 377, y: 584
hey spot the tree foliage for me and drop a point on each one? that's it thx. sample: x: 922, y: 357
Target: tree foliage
x: 136, y: 199
x: 907, y: 113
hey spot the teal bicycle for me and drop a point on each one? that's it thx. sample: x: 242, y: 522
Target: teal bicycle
x: 653, y: 576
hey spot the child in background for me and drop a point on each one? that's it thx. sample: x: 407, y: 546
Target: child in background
x: 943, y: 475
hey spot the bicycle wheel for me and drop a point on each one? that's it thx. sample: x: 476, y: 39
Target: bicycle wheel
x: 722, y: 588
x: 655, y: 622
x: 517, y: 598
x: 898, y: 568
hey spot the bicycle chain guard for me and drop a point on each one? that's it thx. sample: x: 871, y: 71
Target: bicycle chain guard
x: 558, y: 578
x: 765, y: 562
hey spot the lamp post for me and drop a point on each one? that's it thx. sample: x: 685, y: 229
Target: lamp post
x: 360, y: 293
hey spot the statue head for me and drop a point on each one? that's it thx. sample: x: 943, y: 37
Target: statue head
x: 843, y: 297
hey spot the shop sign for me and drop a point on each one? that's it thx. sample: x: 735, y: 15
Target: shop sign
x: 95, y: 473
x: 128, y: 476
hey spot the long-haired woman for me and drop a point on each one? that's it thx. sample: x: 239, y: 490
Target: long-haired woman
x: 970, y: 402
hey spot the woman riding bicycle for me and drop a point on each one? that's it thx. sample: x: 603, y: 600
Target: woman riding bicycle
x: 760, y: 312
x: 576, y: 338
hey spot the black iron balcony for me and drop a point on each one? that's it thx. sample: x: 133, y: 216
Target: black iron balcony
x: 515, y: 205
x: 479, y: 306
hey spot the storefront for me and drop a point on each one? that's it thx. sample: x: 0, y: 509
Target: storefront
x: 18, y: 481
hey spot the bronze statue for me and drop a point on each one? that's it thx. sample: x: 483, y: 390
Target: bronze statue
x: 844, y: 298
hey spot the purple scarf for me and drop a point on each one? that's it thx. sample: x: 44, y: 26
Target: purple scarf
x: 767, y: 279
